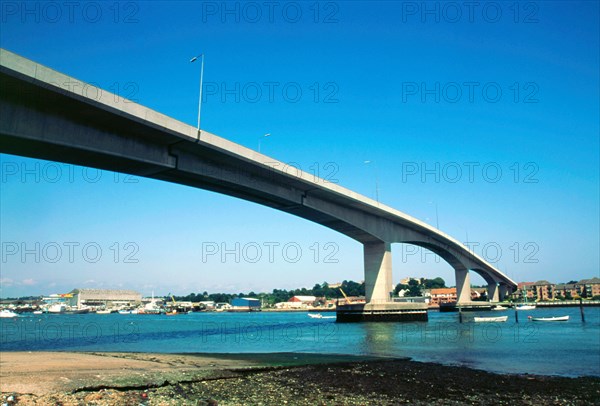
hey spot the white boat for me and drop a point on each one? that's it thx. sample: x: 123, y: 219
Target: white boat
x: 38, y: 312
x: 57, y: 308
x: 8, y: 314
x: 499, y: 319
x: 103, y: 311
x: 75, y: 310
x: 525, y: 307
x: 558, y: 318
x: 124, y: 311
x: 315, y: 316
x: 499, y: 308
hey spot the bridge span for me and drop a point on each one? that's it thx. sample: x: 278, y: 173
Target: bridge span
x: 45, y: 114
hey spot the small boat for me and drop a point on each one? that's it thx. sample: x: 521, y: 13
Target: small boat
x: 38, y: 312
x: 83, y: 310
x: 525, y: 307
x: 315, y: 316
x: 499, y: 308
x: 124, y: 311
x: 103, y: 311
x: 57, y: 308
x: 499, y: 319
x: 558, y: 318
x: 8, y: 314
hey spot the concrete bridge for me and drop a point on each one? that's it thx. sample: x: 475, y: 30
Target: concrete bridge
x: 48, y: 115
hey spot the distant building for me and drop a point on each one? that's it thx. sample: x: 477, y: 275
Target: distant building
x: 303, y: 299
x: 104, y: 297
x: 56, y: 298
x: 524, y: 290
x: 298, y: 302
x: 222, y: 306
x: 477, y: 293
x: 591, y: 287
x: 208, y: 304
x: 245, y: 303
x: 566, y: 290
x: 543, y: 290
x: 442, y: 295
x: 447, y: 295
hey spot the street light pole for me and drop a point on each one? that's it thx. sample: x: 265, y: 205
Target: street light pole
x: 376, y: 181
x: 201, y: 78
x: 260, y: 139
x: 437, y: 221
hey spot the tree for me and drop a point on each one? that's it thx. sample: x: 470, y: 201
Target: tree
x: 353, y: 288
x: 414, y: 289
x: 400, y: 287
x: 435, y: 283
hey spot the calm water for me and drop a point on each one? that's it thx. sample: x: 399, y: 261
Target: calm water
x: 562, y: 348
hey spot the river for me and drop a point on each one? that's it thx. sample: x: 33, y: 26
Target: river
x: 569, y: 348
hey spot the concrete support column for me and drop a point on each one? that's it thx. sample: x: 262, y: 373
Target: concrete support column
x: 493, y: 292
x: 378, y: 272
x: 463, y: 285
x: 504, y: 291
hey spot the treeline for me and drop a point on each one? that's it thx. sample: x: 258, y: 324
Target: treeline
x: 415, y: 287
x: 351, y: 288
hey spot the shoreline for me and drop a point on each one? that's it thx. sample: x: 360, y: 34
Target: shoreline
x: 270, y: 378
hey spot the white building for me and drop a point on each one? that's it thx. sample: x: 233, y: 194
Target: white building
x: 104, y: 297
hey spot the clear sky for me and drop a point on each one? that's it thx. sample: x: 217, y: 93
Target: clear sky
x: 482, y: 119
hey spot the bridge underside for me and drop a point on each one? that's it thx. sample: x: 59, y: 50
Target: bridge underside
x: 41, y: 120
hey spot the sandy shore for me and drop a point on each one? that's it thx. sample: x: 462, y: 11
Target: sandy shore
x: 269, y: 379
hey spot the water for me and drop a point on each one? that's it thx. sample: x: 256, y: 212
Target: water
x: 560, y: 348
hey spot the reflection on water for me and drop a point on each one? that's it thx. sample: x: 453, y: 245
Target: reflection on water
x: 379, y: 338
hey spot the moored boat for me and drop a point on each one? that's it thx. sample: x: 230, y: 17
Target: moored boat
x: 57, y: 308
x: 5, y: 314
x: 499, y: 308
x: 557, y: 318
x: 525, y: 307
x: 498, y: 319
x: 83, y: 310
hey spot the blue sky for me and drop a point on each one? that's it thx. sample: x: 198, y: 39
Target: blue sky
x: 489, y: 114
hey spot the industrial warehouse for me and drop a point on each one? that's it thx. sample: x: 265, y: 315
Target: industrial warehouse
x: 103, y: 297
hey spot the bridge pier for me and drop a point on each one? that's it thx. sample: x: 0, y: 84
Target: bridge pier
x: 463, y: 285
x: 378, y: 288
x: 493, y: 292
x: 504, y: 291
x: 378, y: 272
